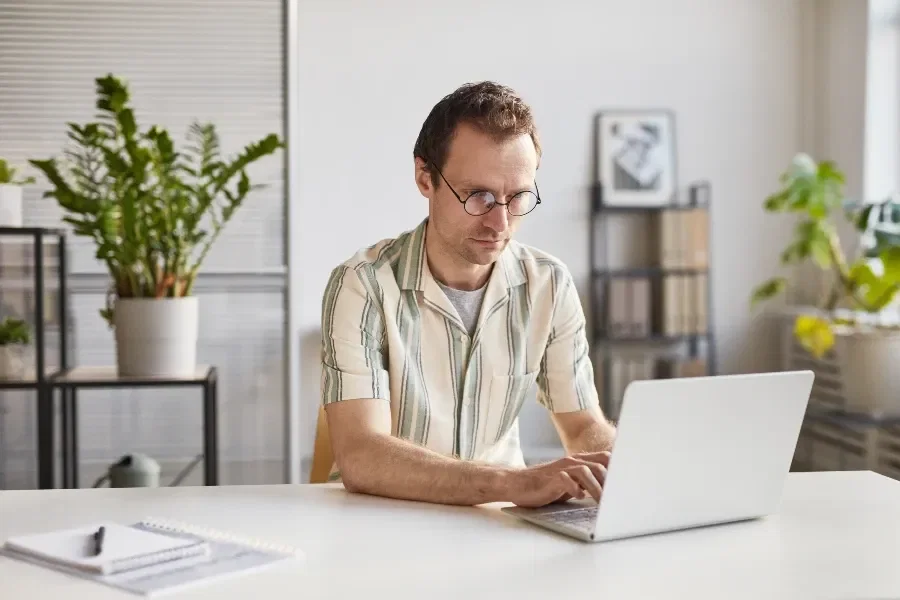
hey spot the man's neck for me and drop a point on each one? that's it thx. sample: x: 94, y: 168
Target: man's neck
x: 450, y: 270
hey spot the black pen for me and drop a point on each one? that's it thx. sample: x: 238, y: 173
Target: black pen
x: 98, y: 541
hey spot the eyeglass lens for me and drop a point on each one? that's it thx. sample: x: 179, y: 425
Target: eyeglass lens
x: 480, y: 203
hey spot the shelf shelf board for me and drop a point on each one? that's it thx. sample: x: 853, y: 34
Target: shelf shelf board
x: 645, y: 210
x: 648, y: 272
x: 31, y: 231
x: 688, y: 203
x: 651, y: 339
x: 840, y: 417
x: 18, y: 384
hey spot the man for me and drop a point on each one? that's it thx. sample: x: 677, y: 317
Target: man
x: 432, y: 340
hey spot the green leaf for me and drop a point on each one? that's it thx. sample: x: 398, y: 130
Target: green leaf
x: 8, y: 175
x: 777, y: 202
x: 876, y: 292
x: 803, y: 167
x: 817, y: 204
x: 767, y: 290
x: 814, y: 334
x: 861, y: 274
x: 14, y: 331
x: 828, y: 171
x: 861, y: 220
x: 890, y: 259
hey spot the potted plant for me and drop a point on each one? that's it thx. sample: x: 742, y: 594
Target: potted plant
x: 153, y: 212
x: 14, y: 334
x: 11, y: 195
x: 850, y: 319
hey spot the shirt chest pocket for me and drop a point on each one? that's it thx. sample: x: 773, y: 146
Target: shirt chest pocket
x: 505, y: 399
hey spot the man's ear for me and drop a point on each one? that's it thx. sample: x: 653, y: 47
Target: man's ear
x: 423, y: 178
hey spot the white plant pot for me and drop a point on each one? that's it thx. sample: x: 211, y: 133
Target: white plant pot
x: 869, y: 363
x: 156, y: 338
x: 10, y: 205
x: 12, y: 363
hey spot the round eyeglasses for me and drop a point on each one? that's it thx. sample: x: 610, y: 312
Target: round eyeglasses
x: 482, y: 202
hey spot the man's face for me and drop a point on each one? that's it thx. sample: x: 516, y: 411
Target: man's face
x: 477, y: 162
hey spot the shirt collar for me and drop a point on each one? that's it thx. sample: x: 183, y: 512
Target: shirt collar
x: 412, y: 267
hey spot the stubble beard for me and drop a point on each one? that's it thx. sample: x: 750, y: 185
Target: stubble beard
x: 477, y: 256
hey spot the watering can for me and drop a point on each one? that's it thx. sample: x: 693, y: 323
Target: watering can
x: 139, y: 470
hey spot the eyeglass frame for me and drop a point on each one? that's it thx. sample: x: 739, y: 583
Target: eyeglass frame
x: 537, y: 195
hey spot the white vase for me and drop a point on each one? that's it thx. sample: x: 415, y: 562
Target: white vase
x: 10, y: 205
x: 869, y: 363
x: 156, y: 338
x: 12, y: 366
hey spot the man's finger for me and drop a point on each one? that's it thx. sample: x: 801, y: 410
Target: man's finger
x: 597, y: 468
x: 598, y: 471
x: 570, y: 486
x: 585, y: 478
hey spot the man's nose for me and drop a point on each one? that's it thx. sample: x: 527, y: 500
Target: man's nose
x: 497, y: 219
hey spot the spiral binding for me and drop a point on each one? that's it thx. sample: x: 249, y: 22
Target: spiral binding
x: 217, y: 535
x: 137, y: 562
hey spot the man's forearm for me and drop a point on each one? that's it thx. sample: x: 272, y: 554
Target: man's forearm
x: 597, y: 437
x: 388, y: 466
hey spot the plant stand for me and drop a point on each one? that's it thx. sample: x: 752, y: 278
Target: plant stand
x: 38, y: 382
x: 869, y: 363
x: 69, y: 381
x: 836, y: 440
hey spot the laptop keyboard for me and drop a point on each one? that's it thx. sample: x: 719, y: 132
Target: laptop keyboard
x: 579, y: 518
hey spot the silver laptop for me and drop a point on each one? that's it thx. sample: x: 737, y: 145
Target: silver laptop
x: 691, y: 452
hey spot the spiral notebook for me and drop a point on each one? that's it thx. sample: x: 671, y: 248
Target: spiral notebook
x: 150, y: 557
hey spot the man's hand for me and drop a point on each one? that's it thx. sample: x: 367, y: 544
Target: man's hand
x: 570, y: 477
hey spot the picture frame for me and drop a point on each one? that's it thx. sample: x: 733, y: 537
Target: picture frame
x: 636, y: 157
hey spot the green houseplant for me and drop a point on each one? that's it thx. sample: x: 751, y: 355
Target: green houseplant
x: 862, y: 286
x: 14, y: 334
x: 153, y: 213
x: 11, y: 194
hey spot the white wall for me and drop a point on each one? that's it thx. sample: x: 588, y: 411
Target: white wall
x: 370, y: 72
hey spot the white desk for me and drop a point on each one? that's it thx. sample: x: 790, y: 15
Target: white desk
x: 837, y: 536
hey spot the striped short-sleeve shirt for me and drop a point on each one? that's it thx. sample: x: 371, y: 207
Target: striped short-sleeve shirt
x: 389, y: 332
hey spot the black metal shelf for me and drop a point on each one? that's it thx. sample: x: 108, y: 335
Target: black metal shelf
x: 44, y: 374
x: 698, y: 197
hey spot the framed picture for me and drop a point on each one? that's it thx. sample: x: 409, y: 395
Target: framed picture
x: 636, y: 157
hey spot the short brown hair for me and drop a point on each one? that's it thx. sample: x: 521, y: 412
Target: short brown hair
x: 495, y: 109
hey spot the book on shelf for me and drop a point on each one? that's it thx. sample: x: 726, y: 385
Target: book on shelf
x: 673, y: 299
x: 677, y: 367
x: 683, y: 238
x: 629, y: 307
x: 684, y: 248
x: 683, y: 306
x: 625, y: 368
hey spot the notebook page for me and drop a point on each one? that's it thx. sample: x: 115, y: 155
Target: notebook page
x: 74, y: 547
